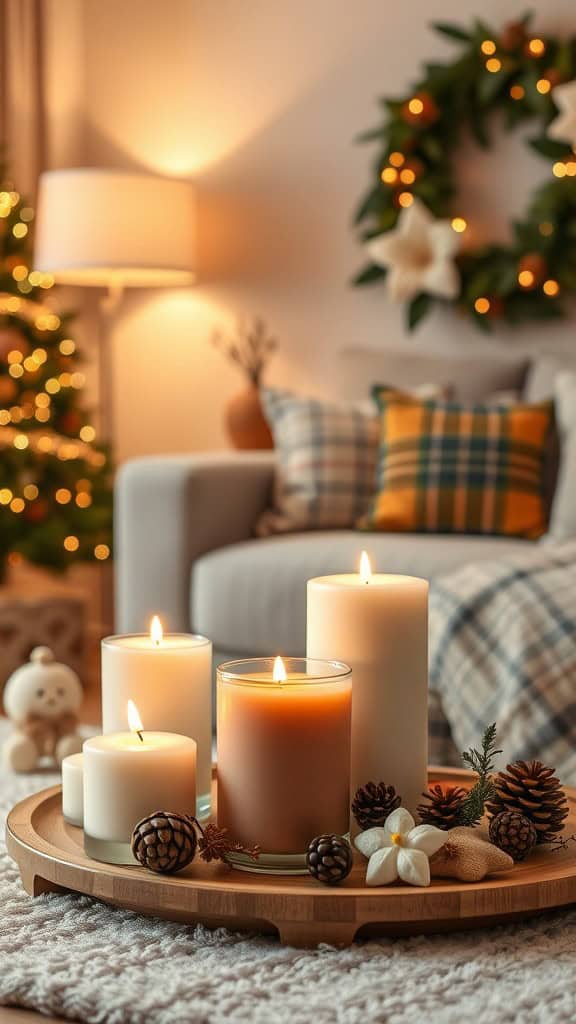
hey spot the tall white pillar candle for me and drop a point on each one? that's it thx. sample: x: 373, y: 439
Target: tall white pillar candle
x: 378, y: 624
x: 72, y: 789
x: 127, y: 776
x: 169, y: 677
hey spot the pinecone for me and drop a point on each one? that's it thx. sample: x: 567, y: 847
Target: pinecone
x: 164, y: 842
x: 533, y: 790
x: 373, y: 803
x: 329, y: 859
x: 513, y: 833
x: 444, y: 806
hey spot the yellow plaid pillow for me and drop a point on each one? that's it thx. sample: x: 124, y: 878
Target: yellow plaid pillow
x: 450, y: 468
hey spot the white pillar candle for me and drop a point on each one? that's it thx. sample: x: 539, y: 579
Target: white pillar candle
x: 378, y: 624
x: 127, y: 776
x: 72, y: 789
x: 169, y: 677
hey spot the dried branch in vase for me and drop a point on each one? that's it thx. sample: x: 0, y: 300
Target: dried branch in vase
x: 250, y: 348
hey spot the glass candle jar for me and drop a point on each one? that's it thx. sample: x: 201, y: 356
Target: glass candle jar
x: 283, y: 756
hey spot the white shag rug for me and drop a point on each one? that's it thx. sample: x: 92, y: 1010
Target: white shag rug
x: 74, y: 957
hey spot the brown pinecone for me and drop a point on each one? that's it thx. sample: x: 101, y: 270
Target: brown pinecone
x: 164, y: 842
x: 444, y: 806
x: 535, y: 791
x: 373, y: 803
x: 329, y: 859
x: 513, y: 833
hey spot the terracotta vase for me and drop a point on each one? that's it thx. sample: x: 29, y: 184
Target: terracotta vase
x: 245, y: 422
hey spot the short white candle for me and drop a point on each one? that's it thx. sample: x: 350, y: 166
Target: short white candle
x: 169, y: 677
x: 127, y: 776
x: 378, y: 624
x: 72, y: 789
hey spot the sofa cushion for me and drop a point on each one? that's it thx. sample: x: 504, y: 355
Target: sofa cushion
x: 473, y: 378
x: 250, y: 598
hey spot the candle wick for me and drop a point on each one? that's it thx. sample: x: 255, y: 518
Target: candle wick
x: 140, y: 736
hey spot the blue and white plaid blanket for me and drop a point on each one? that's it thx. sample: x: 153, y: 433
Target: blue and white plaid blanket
x: 503, y: 649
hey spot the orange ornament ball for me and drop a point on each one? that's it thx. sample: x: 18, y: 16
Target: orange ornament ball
x: 70, y: 422
x: 37, y: 511
x: 512, y: 37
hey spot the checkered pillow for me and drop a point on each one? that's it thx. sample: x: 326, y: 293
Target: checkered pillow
x: 326, y: 465
x: 446, y: 467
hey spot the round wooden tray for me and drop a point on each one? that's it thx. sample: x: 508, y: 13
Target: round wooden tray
x: 51, y: 858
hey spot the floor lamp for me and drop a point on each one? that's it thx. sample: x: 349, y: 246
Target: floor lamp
x: 113, y: 230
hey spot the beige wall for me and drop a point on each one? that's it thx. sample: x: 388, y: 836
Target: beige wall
x: 259, y: 101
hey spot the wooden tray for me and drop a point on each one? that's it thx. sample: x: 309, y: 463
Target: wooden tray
x: 51, y: 858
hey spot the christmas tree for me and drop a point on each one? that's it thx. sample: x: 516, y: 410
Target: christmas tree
x: 55, y: 479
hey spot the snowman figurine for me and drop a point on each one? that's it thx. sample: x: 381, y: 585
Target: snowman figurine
x: 42, y: 700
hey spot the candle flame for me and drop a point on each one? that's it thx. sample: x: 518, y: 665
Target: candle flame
x: 279, y: 672
x: 365, y: 568
x: 156, y: 631
x: 134, y: 720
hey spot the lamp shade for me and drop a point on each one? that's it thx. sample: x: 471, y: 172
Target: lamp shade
x: 110, y: 228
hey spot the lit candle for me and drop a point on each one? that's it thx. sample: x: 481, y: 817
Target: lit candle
x: 72, y: 789
x: 129, y: 775
x: 170, y: 678
x: 378, y: 624
x: 283, y: 753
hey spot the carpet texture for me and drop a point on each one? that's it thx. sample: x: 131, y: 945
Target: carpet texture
x: 77, y: 958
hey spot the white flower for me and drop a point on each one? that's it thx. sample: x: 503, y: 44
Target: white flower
x: 418, y: 255
x: 399, y: 850
x: 563, y: 127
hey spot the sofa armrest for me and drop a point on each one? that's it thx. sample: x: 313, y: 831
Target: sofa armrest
x: 169, y: 510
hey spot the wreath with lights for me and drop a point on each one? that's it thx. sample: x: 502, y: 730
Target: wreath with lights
x: 416, y: 241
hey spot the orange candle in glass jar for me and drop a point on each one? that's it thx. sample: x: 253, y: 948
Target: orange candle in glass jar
x: 284, y: 751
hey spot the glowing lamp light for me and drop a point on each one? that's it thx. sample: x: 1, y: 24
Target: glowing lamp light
x: 279, y: 671
x: 134, y: 720
x: 536, y: 47
x: 551, y: 287
x: 156, y: 631
x: 459, y: 225
x: 482, y: 305
x: 416, y: 106
x: 488, y: 47
x: 493, y: 65
x: 365, y: 568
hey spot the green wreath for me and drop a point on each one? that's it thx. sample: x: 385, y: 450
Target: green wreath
x: 524, y: 77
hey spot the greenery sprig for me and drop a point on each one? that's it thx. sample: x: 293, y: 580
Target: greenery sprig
x: 482, y: 763
x: 511, y: 73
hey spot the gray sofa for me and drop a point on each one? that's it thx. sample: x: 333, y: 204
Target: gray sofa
x: 185, y: 544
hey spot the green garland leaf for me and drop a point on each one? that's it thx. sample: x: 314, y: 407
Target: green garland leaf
x: 451, y: 31
x: 418, y: 308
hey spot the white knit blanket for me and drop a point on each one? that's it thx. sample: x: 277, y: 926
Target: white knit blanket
x: 74, y: 957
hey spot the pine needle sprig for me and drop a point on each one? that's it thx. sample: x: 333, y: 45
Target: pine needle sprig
x: 482, y: 763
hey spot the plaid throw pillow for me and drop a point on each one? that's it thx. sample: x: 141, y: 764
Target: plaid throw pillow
x: 446, y: 467
x: 326, y: 462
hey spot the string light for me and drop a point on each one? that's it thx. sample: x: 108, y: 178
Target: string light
x: 4, y: 417
x: 389, y: 175
x: 63, y: 496
x: 571, y: 168
x: 31, y: 492
x: 40, y: 355
x: 536, y: 47
x: 25, y: 287
x: 16, y: 414
x: 20, y: 272
x: 35, y: 278
x: 102, y: 552
x: 517, y: 92
x: 20, y: 230
x: 47, y: 281
x: 407, y: 176
x: 45, y: 444
x: 551, y: 287
x: 78, y: 380
x: 71, y: 543
x: 15, y: 356
x: 16, y: 370
x: 42, y: 415
x: 26, y: 214
x: 459, y: 224
x: 396, y: 159
x: 559, y: 169
x: 526, y: 279
x: 42, y: 400
x: 14, y: 198
x: 416, y: 106
x: 482, y: 305
x: 83, y: 499
x: 87, y: 434
x: 488, y: 47
x: 493, y: 65
x: 17, y: 505
x: 21, y: 442
x: 52, y: 386
x: 67, y: 347
x: 405, y: 199
x: 5, y: 496
x: 65, y: 380
x: 543, y: 86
